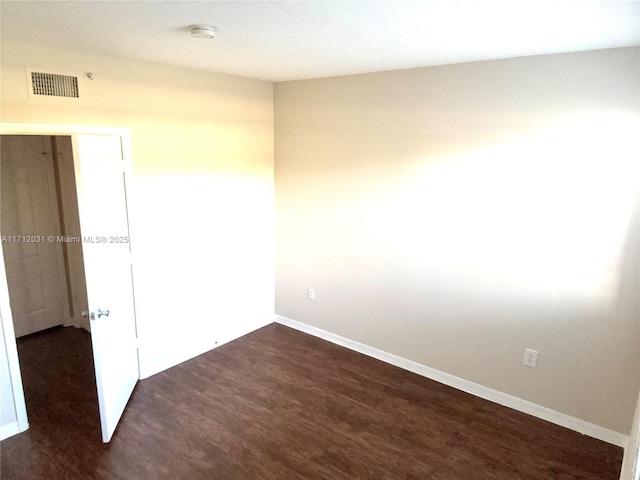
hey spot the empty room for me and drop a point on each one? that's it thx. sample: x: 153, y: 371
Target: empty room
x: 320, y: 239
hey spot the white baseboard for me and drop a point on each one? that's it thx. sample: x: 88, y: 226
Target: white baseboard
x: 147, y: 370
x: 572, y: 423
x: 9, y: 430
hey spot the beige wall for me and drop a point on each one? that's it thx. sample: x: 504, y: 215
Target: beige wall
x: 457, y: 215
x: 202, y: 197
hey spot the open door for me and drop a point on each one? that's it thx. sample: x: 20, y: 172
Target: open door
x: 102, y: 204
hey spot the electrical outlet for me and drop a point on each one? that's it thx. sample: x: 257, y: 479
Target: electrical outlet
x: 312, y: 294
x: 530, y: 358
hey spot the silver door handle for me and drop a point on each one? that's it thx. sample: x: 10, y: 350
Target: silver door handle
x: 103, y: 312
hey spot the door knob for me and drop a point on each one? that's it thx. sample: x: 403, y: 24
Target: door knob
x: 103, y: 312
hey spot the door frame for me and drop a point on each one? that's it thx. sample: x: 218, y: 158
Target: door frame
x: 6, y: 318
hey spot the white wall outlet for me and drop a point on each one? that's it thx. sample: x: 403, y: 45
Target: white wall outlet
x: 312, y: 294
x: 530, y: 358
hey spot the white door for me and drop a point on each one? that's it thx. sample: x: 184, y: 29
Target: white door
x: 30, y: 218
x: 105, y: 231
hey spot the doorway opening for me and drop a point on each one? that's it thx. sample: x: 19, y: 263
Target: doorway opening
x: 58, y: 220
x: 44, y: 266
x: 41, y: 233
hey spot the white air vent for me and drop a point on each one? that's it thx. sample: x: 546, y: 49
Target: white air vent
x: 41, y: 84
x: 54, y: 85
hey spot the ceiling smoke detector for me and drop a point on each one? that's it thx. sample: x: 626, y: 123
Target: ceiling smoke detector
x: 202, y: 31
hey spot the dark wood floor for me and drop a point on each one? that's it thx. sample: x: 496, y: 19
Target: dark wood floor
x: 279, y: 404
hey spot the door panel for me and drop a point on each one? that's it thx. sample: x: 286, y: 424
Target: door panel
x: 105, y: 231
x: 29, y: 210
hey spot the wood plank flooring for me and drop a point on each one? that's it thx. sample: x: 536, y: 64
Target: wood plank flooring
x: 279, y: 404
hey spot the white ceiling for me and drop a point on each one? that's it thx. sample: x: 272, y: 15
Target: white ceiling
x: 280, y: 40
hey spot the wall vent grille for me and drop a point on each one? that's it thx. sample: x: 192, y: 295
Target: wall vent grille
x: 54, y: 85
